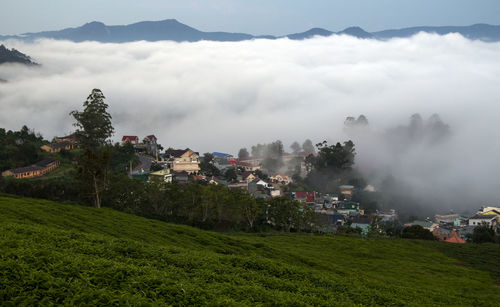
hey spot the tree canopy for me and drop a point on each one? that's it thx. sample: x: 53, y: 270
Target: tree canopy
x: 94, y: 122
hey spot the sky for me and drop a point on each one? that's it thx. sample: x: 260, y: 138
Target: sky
x: 277, y: 17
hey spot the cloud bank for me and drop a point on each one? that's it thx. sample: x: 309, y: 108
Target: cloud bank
x: 214, y: 96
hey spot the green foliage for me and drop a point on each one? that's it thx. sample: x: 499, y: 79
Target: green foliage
x: 19, y: 148
x: 417, y: 232
x: 261, y: 175
x: 483, y: 234
x: 94, y: 122
x: 62, y: 254
x: 207, y: 167
x: 121, y: 156
x: 335, y: 157
x: 286, y: 213
x: 231, y: 174
x: 93, y: 130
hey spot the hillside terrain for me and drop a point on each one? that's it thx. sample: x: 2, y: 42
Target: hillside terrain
x: 173, y: 30
x: 14, y: 56
x: 52, y: 253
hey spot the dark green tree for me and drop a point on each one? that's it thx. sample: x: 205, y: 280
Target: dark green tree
x: 243, y: 153
x: 94, y: 122
x: 231, y: 174
x: 417, y: 232
x: 93, y: 131
x: 483, y: 234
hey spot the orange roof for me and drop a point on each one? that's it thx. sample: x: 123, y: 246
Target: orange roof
x: 455, y: 239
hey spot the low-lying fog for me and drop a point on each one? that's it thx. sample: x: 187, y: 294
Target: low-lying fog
x: 213, y: 96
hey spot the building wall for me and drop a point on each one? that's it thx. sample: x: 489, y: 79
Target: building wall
x: 189, y: 162
x: 32, y: 173
x: 47, y: 148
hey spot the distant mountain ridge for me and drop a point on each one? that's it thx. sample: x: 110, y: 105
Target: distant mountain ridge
x: 173, y: 30
x: 13, y: 56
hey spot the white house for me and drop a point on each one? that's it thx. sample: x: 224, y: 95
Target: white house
x: 489, y: 220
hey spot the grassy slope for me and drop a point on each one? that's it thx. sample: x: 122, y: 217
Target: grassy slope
x: 60, y: 253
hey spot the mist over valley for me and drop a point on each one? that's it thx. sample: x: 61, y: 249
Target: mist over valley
x: 222, y: 96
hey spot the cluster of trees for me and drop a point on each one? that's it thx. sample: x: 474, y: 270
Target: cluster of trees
x: 329, y: 168
x: 206, y: 205
x: 484, y: 234
x: 19, y: 148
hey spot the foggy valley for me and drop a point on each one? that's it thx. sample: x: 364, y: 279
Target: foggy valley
x: 222, y: 96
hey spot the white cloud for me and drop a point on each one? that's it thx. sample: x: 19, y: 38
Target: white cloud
x: 214, y: 96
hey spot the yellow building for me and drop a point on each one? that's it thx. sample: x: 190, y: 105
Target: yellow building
x: 36, y: 170
x: 183, y: 160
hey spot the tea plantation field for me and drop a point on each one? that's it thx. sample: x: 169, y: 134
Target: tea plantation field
x: 53, y: 253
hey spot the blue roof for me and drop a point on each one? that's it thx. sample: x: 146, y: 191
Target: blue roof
x: 220, y: 154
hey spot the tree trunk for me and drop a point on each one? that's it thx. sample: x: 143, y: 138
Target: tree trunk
x: 97, y: 199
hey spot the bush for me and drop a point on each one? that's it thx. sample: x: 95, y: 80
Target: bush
x: 483, y: 234
x: 417, y: 232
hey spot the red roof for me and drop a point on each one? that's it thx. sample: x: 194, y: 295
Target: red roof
x: 308, y: 196
x: 130, y: 138
x: 151, y: 137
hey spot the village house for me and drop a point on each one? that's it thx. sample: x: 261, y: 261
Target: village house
x: 247, y: 166
x: 490, y: 220
x: 387, y: 215
x: 132, y: 139
x: 446, y: 218
x: 61, y: 143
x: 58, y: 146
x: 349, y: 208
x: 307, y: 198
x: 36, y: 170
x: 447, y: 235
x: 281, y: 179
x: 163, y: 175
x: 69, y: 138
x: 222, y: 156
x: 150, y: 145
x: 183, y: 160
x: 362, y: 222
x: 246, y: 177
x: 222, y: 164
x: 346, y: 191
x: 217, y: 180
x: 490, y: 211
